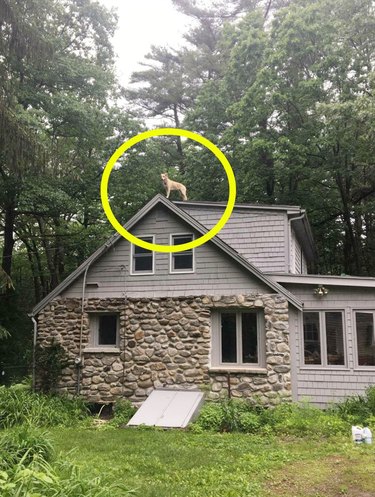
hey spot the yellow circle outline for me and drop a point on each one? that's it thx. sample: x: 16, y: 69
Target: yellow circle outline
x: 170, y: 132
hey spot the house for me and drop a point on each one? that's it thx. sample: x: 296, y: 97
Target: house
x: 239, y: 314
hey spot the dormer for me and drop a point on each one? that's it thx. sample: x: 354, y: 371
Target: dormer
x: 275, y: 238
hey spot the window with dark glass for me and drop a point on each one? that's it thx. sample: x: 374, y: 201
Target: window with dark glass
x: 107, y: 330
x: 365, y: 338
x: 334, y: 338
x: 311, y: 335
x: 239, y: 338
x: 323, y: 327
x: 104, y: 330
x: 143, y: 259
x: 228, y: 338
x: 182, y: 261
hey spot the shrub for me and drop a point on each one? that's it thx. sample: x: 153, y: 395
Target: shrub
x: 249, y: 422
x: 302, y: 419
x: 357, y: 410
x: 228, y: 415
x: 294, y: 419
x: 370, y: 396
x: 123, y: 411
x: 210, y: 417
x: 50, y: 361
x: 18, y: 406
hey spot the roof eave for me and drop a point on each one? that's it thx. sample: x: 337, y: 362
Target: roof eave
x: 319, y: 279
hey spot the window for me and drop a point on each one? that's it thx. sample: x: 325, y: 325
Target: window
x: 237, y: 339
x: 142, y: 259
x: 104, y: 330
x: 323, y: 337
x: 182, y: 262
x: 364, y: 322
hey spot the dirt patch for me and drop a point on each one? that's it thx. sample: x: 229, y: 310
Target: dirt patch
x: 333, y: 476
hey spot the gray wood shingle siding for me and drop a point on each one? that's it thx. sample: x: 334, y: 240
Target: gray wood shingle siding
x: 215, y: 272
x: 259, y: 236
x: 318, y: 383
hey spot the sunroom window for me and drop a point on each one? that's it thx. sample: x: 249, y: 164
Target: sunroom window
x: 365, y: 338
x: 323, y: 338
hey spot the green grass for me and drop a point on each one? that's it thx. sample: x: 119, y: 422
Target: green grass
x: 175, y: 463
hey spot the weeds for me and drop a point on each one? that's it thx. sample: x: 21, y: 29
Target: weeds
x: 292, y: 418
x: 19, y: 406
x: 23, y: 445
x: 63, y: 479
x: 27, y: 467
x: 123, y: 411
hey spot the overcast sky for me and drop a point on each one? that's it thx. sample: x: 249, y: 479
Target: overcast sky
x: 143, y: 23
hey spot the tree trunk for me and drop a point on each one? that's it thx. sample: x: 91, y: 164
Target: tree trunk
x: 177, y: 125
x: 351, y: 253
x: 34, y: 270
x: 9, y: 220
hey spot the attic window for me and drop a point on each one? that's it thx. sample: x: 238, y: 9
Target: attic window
x: 182, y: 262
x: 143, y: 259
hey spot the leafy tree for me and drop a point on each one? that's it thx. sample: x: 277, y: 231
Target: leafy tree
x: 62, y: 103
x: 293, y: 109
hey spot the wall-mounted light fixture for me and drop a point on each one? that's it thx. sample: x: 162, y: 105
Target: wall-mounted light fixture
x: 320, y: 291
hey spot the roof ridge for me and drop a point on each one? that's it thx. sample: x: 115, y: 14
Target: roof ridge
x: 238, y: 205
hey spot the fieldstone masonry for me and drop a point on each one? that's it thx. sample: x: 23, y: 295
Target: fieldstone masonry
x: 166, y: 342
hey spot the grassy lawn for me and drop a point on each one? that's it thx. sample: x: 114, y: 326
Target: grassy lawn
x: 182, y: 464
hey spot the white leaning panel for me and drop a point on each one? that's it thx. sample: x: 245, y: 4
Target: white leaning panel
x: 168, y: 408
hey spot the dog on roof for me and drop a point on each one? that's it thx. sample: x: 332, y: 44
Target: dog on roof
x: 170, y: 185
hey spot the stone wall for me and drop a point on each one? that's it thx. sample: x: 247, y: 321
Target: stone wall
x: 166, y: 342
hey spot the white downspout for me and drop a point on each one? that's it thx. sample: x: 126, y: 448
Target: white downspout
x: 78, y: 359
x: 34, y: 349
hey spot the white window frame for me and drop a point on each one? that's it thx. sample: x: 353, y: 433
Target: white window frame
x: 216, y: 359
x: 323, y: 341
x: 171, y: 255
x: 132, y: 253
x: 355, y: 339
x: 94, y: 330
